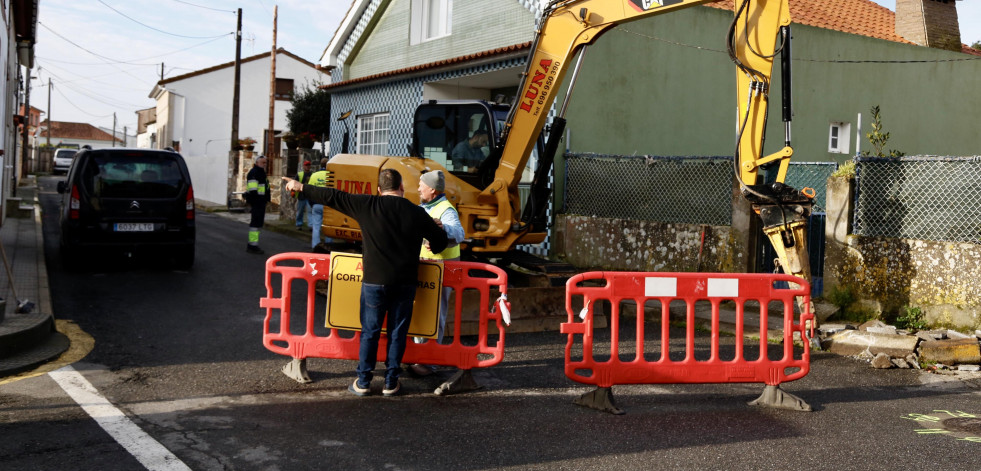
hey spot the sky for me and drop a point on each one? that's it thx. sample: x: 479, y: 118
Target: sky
x: 103, y: 57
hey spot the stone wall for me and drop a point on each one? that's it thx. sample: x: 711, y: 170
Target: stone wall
x: 592, y: 243
x: 887, y: 274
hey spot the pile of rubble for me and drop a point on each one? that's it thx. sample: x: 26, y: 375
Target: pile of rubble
x: 885, y: 346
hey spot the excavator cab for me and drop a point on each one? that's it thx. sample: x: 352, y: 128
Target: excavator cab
x: 464, y: 136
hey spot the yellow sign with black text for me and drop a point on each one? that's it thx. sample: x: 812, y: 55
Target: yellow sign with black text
x: 344, y: 295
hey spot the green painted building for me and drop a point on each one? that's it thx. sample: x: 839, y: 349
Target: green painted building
x: 663, y: 85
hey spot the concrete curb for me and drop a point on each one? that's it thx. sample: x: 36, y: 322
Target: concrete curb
x: 33, y: 337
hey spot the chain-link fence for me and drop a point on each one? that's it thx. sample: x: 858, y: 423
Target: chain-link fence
x: 691, y: 190
x: 923, y: 197
x: 688, y: 190
x: 812, y: 175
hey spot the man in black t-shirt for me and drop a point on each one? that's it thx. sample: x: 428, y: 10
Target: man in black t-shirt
x: 393, y: 229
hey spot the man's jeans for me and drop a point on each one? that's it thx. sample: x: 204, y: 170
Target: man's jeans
x: 376, y: 302
x: 316, y: 220
x: 301, y: 209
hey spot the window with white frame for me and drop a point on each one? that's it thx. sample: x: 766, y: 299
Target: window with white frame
x: 373, y: 134
x: 838, y: 138
x: 429, y: 19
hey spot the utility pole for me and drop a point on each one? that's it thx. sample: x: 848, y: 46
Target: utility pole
x: 161, y: 71
x: 272, y: 90
x: 236, y: 88
x: 234, y: 163
x: 49, y: 112
x: 114, y: 129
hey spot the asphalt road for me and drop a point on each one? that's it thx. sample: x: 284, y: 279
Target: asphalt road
x: 179, y: 354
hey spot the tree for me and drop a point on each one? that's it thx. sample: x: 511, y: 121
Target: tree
x: 878, y: 138
x: 976, y: 45
x: 310, y: 112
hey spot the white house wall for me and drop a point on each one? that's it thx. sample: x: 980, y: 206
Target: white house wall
x: 8, y: 63
x: 200, y: 118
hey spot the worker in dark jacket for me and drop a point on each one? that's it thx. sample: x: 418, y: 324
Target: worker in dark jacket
x: 257, y: 194
x: 393, y: 229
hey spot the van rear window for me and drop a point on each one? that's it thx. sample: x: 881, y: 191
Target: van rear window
x: 132, y: 176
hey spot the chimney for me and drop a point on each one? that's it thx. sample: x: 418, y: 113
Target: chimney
x: 931, y: 23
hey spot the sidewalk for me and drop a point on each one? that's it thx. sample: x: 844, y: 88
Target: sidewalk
x: 30, y: 339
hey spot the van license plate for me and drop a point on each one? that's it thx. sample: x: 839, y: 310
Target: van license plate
x: 134, y: 227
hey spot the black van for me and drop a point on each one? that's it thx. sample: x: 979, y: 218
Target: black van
x: 127, y: 199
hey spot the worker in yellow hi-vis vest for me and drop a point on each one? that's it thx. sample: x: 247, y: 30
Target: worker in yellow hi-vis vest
x: 431, y: 194
x: 257, y: 194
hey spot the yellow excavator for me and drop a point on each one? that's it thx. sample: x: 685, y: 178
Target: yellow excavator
x: 483, y: 148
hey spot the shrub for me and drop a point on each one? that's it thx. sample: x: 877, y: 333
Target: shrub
x: 841, y: 296
x: 911, y: 319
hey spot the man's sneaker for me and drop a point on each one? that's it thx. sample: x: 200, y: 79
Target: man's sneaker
x: 253, y: 249
x: 358, y: 390
x: 392, y: 390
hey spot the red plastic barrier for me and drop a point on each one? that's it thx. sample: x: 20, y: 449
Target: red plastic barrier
x: 687, y: 288
x: 307, y: 344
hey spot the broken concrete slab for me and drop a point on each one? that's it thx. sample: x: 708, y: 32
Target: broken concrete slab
x: 899, y: 363
x: 929, y: 336
x: 882, y: 330
x: 831, y: 329
x: 854, y: 342
x: 872, y: 323
x: 951, y: 351
x: 953, y: 334
x: 881, y: 361
x: 824, y: 311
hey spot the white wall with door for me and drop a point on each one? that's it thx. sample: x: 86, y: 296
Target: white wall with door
x: 199, y: 119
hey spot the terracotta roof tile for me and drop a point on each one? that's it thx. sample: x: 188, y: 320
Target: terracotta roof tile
x: 862, y: 17
x: 969, y: 50
x: 66, y: 130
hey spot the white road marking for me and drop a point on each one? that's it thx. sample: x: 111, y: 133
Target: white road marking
x: 138, y: 443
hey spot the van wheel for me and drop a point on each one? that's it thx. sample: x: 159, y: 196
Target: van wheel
x: 184, y: 258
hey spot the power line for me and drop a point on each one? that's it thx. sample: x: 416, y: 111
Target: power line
x: 77, y: 107
x: 93, y: 63
x: 69, y: 41
x: 91, y: 78
x: 87, y: 93
x: 202, y: 6
x: 158, y: 30
x: 133, y: 62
